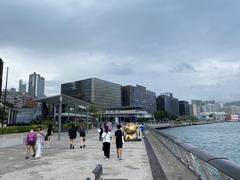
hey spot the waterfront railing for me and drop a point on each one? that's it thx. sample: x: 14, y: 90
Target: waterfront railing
x: 202, y: 163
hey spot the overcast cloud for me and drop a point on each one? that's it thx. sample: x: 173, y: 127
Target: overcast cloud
x: 190, y: 48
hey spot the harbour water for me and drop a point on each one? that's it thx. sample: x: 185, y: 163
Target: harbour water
x: 218, y: 138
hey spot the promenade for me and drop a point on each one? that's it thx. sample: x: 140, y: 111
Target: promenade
x: 59, y: 162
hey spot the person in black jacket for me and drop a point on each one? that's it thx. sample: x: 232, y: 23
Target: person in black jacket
x: 72, y: 133
x: 82, y: 137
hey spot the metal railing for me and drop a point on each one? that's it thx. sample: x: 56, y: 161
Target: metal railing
x: 207, y: 166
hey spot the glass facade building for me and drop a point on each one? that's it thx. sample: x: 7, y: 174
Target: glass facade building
x: 184, y: 108
x: 105, y: 94
x: 168, y: 104
x: 139, y: 97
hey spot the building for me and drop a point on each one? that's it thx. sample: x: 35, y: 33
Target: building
x: 168, y: 103
x: 213, y: 116
x: 196, y: 107
x: 103, y: 93
x: 36, y: 85
x: 22, y: 86
x: 23, y: 115
x: 19, y: 99
x: 126, y: 114
x: 184, y: 109
x: 139, y: 97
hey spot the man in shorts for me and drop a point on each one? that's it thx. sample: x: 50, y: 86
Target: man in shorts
x: 119, y: 140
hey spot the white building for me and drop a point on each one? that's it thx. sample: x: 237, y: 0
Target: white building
x: 36, y: 85
x: 216, y: 116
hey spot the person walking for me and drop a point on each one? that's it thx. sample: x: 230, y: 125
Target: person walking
x: 82, y: 137
x: 106, y: 142
x: 40, y: 143
x: 49, y: 135
x: 31, y: 142
x: 119, y: 140
x: 100, y: 131
x: 72, y: 133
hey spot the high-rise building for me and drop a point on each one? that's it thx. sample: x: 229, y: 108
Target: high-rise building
x: 184, y: 108
x: 196, y: 107
x: 36, y: 85
x: 41, y: 87
x: 168, y: 103
x: 105, y: 94
x: 22, y: 86
x: 139, y: 97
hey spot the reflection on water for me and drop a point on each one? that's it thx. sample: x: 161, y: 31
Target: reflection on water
x: 220, y: 138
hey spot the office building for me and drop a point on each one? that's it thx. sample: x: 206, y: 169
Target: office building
x: 139, y: 97
x: 22, y: 86
x: 196, y: 107
x: 168, y: 103
x: 184, y: 108
x: 103, y: 93
x: 36, y: 85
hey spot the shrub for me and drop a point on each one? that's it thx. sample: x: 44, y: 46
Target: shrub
x: 18, y: 129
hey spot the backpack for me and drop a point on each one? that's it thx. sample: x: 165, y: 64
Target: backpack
x: 31, y: 137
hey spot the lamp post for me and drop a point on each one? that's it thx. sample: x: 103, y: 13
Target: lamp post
x: 87, y: 108
x: 60, y: 118
x: 5, y: 98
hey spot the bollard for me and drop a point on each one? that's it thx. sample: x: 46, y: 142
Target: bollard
x: 98, y: 172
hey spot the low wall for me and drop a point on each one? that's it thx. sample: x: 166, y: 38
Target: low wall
x: 11, y: 139
x: 200, y: 162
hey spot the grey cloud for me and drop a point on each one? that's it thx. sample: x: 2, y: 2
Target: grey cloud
x: 78, y: 39
x: 116, y: 69
x: 183, y: 68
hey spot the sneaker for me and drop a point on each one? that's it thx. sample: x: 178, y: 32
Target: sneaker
x: 26, y: 157
x: 84, y: 146
x: 119, y: 159
x: 106, y: 159
x: 81, y: 147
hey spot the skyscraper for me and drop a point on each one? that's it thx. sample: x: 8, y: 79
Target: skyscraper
x: 139, y: 96
x: 168, y: 103
x: 103, y: 93
x: 36, y: 85
x: 22, y: 87
x: 184, y: 108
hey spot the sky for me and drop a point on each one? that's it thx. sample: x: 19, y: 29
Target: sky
x: 187, y: 47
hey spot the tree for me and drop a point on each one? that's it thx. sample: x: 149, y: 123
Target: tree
x: 95, y: 110
x: 160, y: 115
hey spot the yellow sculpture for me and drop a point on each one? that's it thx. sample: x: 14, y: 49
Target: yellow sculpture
x: 130, y: 132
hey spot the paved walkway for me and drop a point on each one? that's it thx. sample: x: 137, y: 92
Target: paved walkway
x: 59, y: 162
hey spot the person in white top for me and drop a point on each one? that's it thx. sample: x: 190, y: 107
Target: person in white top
x: 106, y: 137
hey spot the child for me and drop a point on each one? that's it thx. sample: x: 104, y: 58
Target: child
x: 40, y: 142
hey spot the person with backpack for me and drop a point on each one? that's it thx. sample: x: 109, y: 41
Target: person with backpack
x: 31, y: 142
x: 40, y: 143
x: 82, y: 137
x: 72, y: 133
x: 107, y: 135
x: 119, y: 140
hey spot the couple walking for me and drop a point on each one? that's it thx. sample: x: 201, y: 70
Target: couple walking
x: 72, y: 133
x: 118, y: 139
x: 34, y: 140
